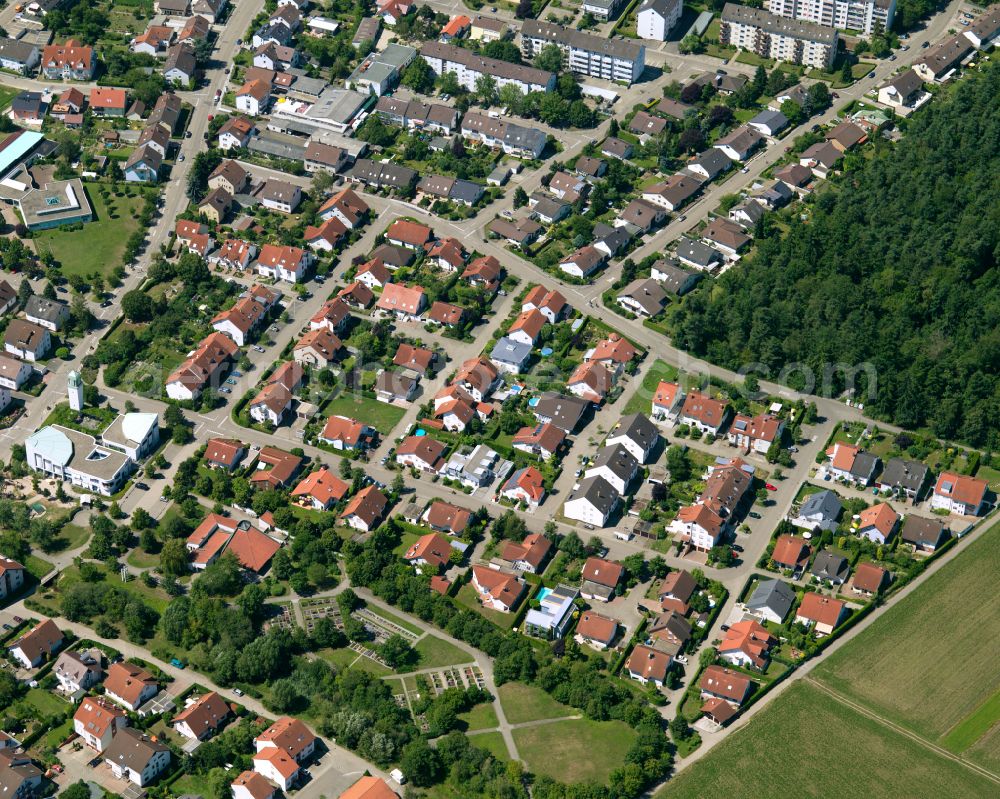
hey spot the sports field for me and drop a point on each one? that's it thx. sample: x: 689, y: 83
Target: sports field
x: 807, y: 744
x: 929, y: 664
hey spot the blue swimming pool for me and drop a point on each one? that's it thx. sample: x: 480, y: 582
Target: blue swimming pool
x: 542, y: 593
x: 532, y: 402
x: 420, y: 432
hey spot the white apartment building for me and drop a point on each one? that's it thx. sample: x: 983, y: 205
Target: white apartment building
x: 618, y: 60
x: 782, y: 39
x: 656, y: 18
x: 861, y: 16
x: 468, y: 67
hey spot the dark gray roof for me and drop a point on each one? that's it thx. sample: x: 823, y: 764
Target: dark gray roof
x: 909, y: 475
x: 49, y: 310
x: 918, y: 530
x: 774, y: 595
x: 509, y: 351
x: 466, y: 191
x: 563, y: 411
x: 646, y: 292
x: 698, y: 252
x: 774, y: 120
x: 830, y: 566
x: 824, y: 504
x: 614, y: 239
x: 15, y: 50
x: 864, y: 465
x: 598, y: 492
x: 713, y: 161
x: 133, y: 749
x: 619, y: 461
x: 676, y: 278
x: 378, y: 174
x: 637, y: 427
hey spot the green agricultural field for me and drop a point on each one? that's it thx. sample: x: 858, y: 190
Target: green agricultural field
x: 807, y: 744
x: 643, y: 397
x: 972, y: 728
x: 575, y: 750
x: 99, y: 245
x: 986, y: 751
x: 526, y: 703
x: 380, y: 415
x: 930, y: 662
x: 436, y: 652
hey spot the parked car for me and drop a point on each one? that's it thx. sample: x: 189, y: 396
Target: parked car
x: 225, y: 390
x: 753, y: 515
x: 237, y: 691
x: 180, y: 664
x: 770, y: 487
x: 142, y: 486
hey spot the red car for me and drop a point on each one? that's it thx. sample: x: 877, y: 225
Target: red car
x: 770, y: 487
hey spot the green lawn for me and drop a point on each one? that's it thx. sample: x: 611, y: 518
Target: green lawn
x: 340, y: 658
x: 467, y: 596
x: 523, y: 702
x: 37, y: 567
x: 807, y: 744
x: 99, y: 245
x: 7, y: 94
x: 493, y: 743
x: 930, y: 661
x: 436, y: 651
x: 576, y: 750
x: 142, y: 559
x: 46, y: 702
x: 641, y: 400
x: 72, y: 536
x: 380, y: 415
x: 57, y: 735
x: 481, y: 717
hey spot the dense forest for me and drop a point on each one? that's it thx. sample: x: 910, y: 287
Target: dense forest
x: 894, y: 264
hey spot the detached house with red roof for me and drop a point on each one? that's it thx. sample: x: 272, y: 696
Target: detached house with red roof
x: 822, y: 613
x: 647, y: 665
x: 525, y: 485
x: 97, y: 720
x: 129, y: 685
x: 957, y: 493
x: 251, y: 785
x: 365, y: 510
x: 748, y: 645
x: 224, y: 453
x: 528, y: 555
x: 443, y: 517
x: 108, y: 102
x: 407, y: 303
x: 411, y: 235
x: 283, y: 262
x: 551, y: 304
x: 722, y: 683
x: 591, y: 381
x: 497, y: 590
x: 792, y: 553
x: 203, y: 717
x: 600, y: 578
x: 320, y: 490
x: 421, y: 452
x: 432, y: 549
x: 667, y: 400
x: 704, y: 413
x: 851, y: 463
x: 542, y: 440
x: 37, y: 645
x: 281, y: 750
x: 344, y: 433
x: 878, y: 523
x: 755, y: 433
x: 596, y: 630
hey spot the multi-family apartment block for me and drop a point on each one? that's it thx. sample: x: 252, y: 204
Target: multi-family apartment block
x: 862, y: 16
x: 468, y: 67
x: 617, y: 60
x: 782, y: 39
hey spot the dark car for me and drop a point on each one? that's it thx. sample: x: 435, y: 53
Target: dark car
x: 753, y: 515
x: 142, y: 486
